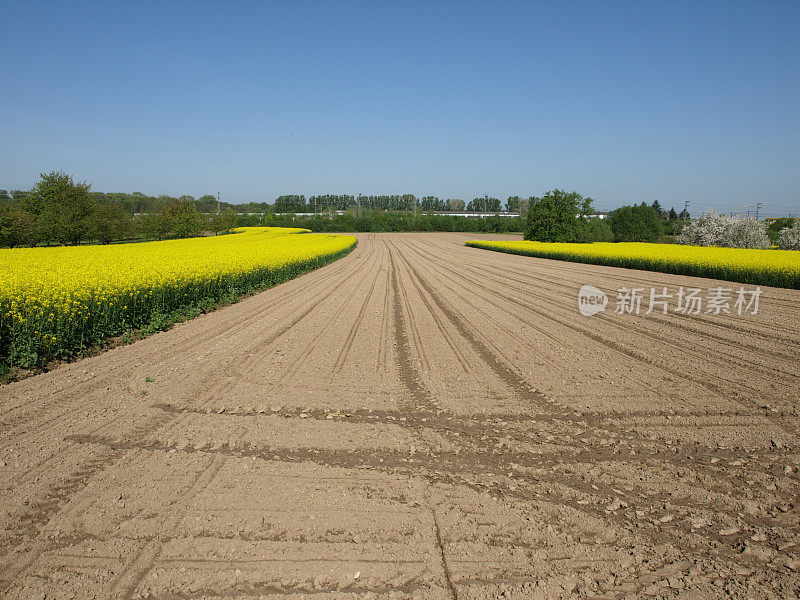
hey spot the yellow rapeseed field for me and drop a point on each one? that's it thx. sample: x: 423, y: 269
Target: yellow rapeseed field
x: 58, y: 301
x: 780, y: 268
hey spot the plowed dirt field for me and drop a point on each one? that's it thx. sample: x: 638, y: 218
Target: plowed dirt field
x: 417, y: 420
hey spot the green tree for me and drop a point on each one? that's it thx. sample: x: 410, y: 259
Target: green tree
x: 17, y: 226
x: 656, y: 205
x: 152, y: 226
x: 224, y: 221
x: 514, y: 203
x: 206, y: 203
x: 183, y: 218
x: 429, y: 203
x: 558, y: 216
x: 294, y: 203
x: 484, y: 205
x: 407, y: 202
x: 109, y: 222
x: 638, y: 223
x: 456, y: 204
x: 598, y: 230
x: 19, y: 195
x: 63, y: 208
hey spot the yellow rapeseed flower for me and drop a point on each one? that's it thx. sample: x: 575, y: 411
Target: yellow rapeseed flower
x: 74, y: 294
x: 780, y: 268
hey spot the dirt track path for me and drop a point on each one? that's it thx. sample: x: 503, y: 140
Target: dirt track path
x: 419, y: 419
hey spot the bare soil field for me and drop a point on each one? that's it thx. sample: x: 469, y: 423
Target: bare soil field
x: 417, y: 420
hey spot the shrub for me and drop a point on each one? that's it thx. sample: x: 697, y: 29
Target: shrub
x: 638, y: 223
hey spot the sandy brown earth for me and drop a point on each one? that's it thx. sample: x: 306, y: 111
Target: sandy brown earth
x: 418, y: 420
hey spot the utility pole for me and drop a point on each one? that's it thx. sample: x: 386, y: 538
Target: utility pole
x: 758, y: 207
x: 217, y: 203
x: 686, y: 207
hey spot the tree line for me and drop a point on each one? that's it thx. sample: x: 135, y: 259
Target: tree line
x: 138, y: 203
x: 386, y: 221
x: 403, y: 202
x: 58, y: 210
x: 560, y: 216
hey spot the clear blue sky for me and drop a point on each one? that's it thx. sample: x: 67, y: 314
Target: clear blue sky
x: 623, y: 102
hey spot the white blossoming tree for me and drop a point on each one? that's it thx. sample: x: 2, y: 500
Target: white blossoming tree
x: 789, y: 238
x: 714, y: 229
